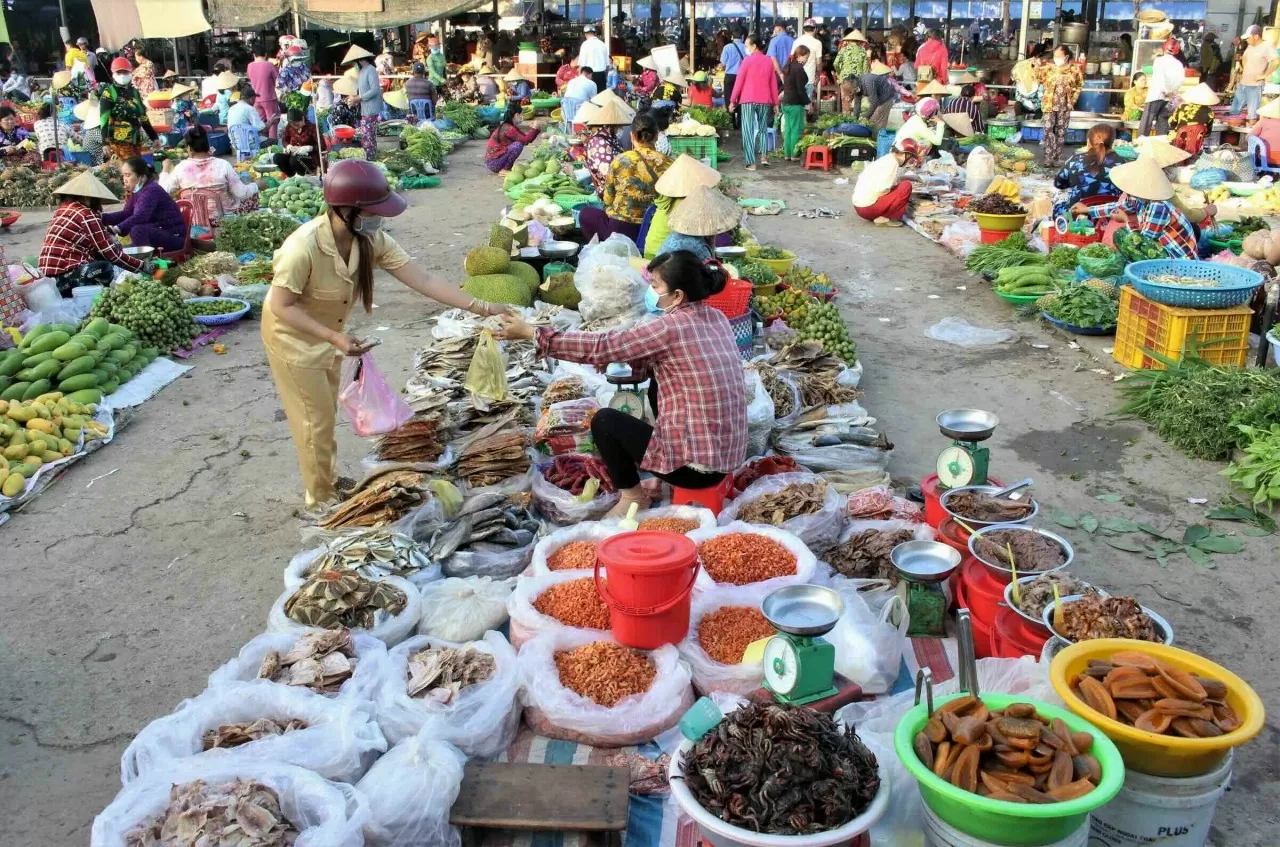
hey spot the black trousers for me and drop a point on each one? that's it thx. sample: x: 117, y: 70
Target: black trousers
x: 729, y: 80
x: 601, y: 79
x: 100, y: 272
x: 292, y: 165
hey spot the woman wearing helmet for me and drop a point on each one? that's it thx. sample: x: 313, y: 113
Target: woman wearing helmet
x: 324, y: 268
x: 878, y: 195
x: 124, y: 115
x: 924, y: 127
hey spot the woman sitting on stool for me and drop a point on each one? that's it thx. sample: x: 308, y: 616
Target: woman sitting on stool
x: 150, y: 217
x: 299, y: 141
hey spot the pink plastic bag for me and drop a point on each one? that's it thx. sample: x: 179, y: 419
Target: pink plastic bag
x: 373, y: 407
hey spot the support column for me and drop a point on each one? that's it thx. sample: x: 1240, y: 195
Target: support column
x: 1022, y: 29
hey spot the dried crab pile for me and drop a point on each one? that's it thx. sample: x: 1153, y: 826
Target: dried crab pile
x: 243, y: 813
x: 320, y: 661
x: 439, y: 674
x: 335, y: 599
x: 235, y: 734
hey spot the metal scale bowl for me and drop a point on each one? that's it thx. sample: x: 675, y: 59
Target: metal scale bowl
x: 799, y: 665
x: 628, y: 396
x: 922, y: 565
x: 965, y: 462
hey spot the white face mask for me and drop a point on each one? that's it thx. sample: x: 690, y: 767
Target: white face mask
x: 123, y: 79
x: 1059, y: 61
x: 369, y: 225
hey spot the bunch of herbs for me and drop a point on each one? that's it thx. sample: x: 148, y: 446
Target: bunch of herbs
x: 1258, y: 470
x: 1080, y: 305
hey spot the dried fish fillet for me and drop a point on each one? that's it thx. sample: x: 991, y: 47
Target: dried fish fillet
x: 336, y: 599
x: 320, y: 661
x: 439, y: 674
x: 243, y: 813
x: 235, y: 734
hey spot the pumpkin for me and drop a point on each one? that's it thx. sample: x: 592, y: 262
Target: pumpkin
x: 1255, y: 245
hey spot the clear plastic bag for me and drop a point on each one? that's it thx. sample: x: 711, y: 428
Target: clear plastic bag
x: 860, y: 455
x: 339, y: 742
x: 410, y: 792
x: 481, y: 720
x: 392, y: 630
x: 710, y: 676
x: 960, y: 332
x: 487, y: 374
x: 819, y: 530
x: 464, y: 608
x: 705, y: 517
x: 806, y: 562
x: 979, y: 170
x: 300, y: 566
x: 566, y: 427
x: 565, y: 508
x: 371, y: 404
x: 554, y: 711
x: 526, y: 621
x: 760, y: 411
x: 361, y: 687
x: 609, y: 285
x: 587, y: 531
x: 868, y: 647
x: 326, y: 814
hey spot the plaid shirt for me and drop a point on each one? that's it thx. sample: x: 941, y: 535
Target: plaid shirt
x: 702, y: 399
x: 76, y: 236
x: 1159, y: 220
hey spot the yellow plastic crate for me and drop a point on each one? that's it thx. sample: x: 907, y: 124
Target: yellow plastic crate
x: 1221, y: 334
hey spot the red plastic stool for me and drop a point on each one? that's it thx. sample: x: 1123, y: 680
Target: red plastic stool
x: 819, y: 156
x: 709, y: 498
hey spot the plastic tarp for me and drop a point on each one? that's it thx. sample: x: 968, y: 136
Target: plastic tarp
x: 119, y: 22
x: 171, y: 18
x: 238, y: 14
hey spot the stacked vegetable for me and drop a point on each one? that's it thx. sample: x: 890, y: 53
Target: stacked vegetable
x: 720, y: 119
x: 465, y: 116
x: 822, y: 323
x: 298, y: 196
x: 1009, y: 253
x: 425, y: 144
x: 151, y: 310
x: 84, y: 365
x: 260, y: 233
x: 1035, y: 280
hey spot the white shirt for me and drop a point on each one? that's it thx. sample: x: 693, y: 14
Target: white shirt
x: 815, y: 54
x: 243, y: 113
x: 1167, y: 76
x: 917, y: 129
x: 593, y: 54
x: 876, y: 178
x: 208, y: 85
x: 581, y: 88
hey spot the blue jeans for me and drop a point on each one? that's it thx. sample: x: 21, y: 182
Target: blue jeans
x: 1248, y: 98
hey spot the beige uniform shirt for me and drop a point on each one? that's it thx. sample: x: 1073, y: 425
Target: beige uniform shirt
x: 308, y: 264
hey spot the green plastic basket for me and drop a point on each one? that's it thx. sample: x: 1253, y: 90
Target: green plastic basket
x: 1235, y: 245
x: 699, y: 147
x: 553, y: 268
x: 1019, y: 299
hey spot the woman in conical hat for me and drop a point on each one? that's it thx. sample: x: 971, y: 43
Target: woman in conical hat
x: 1146, y: 208
x: 78, y: 249
x: 684, y: 176
x: 1193, y: 118
x: 701, y: 221
x: 1268, y: 129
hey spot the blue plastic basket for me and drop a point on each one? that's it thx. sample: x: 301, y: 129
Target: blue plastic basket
x: 1079, y: 330
x: 1233, y: 285
x: 220, y: 320
x: 744, y: 332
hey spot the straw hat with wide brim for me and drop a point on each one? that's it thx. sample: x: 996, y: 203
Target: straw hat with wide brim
x: 1165, y: 154
x: 227, y: 79
x: 647, y: 62
x: 961, y: 78
x: 610, y: 114
x: 960, y: 123
x: 1200, y: 95
x: 344, y: 86
x: 585, y: 113
x: 169, y: 74
x: 60, y: 80
x: 181, y: 89
x: 356, y: 52
x: 514, y: 75
x: 675, y: 76
x: 1142, y: 178
x: 86, y: 185
x: 1271, y: 110
x: 89, y: 111
x: 397, y: 99
x: 706, y: 211
x: 685, y: 174
x: 855, y: 35
x: 879, y: 68
x: 933, y: 89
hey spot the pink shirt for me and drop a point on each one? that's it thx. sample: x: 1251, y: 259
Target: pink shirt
x: 262, y: 76
x: 757, y: 81
x: 933, y: 54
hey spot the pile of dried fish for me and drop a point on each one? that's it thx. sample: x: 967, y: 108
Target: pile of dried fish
x: 416, y: 441
x: 440, y: 369
x: 469, y: 413
x: 815, y: 372
x: 335, y: 599
x: 563, y: 390
x: 235, y: 734
x: 492, y: 455
x: 374, y: 554
x: 790, y: 501
x: 780, y: 391
x: 321, y: 661
x: 243, y: 813
x: 488, y: 522
x: 445, y: 357
x: 381, y: 498
x: 438, y: 675
x: 1093, y: 616
x: 979, y: 506
x: 865, y: 555
x: 836, y: 444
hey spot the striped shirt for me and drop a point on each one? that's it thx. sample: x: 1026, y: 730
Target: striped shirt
x: 75, y: 236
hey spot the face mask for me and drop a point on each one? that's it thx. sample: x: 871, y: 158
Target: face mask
x: 651, y: 299
x: 1059, y: 61
x: 369, y: 225
x: 123, y: 79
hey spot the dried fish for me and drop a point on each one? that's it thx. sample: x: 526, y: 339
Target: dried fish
x: 416, y: 441
x: 235, y: 734
x: 241, y: 813
x: 790, y: 501
x: 381, y: 498
x: 491, y: 456
x: 563, y: 390
x: 374, y: 554
x: 865, y: 555
x: 334, y: 599
x: 437, y: 675
x: 321, y: 661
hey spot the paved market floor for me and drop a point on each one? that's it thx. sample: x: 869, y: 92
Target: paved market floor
x: 123, y: 592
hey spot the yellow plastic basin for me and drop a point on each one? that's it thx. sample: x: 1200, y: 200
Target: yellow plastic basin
x: 1000, y: 223
x: 1149, y: 752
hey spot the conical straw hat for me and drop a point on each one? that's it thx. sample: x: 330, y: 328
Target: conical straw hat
x: 60, y: 80
x: 514, y: 75
x: 86, y: 185
x: 855, y: 35
x: 706, y: 211
x: 611, y: 96
x: 647, y: 62
x: 181, y: 89
x: 933, y: 88
x: 1200, y: 95
x: 879, y: 68
x: 356, y: 52
x: 961, y: 78
x: 675, y: 76
x: 962, y: 124
x: 1271, y: 110
x: 227, y: 79
x: 1165, y: 154
x: 89, y: 111
x: 397, y: 99
x: 585, y: 113
x: 346, y: 86
x: 611, y: 114
x: 685, y: 174
x: 1142, y: 178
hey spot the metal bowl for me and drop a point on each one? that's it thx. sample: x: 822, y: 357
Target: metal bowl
x: 558, y: 249
x: 1005, y: 575
x: 803, y: 609
x: 925, y: 561
x: 1024, y: 580
x: 142, y: 254
x: 967, y: 424
x: 985, y: 489
x: 731, y: 252
x: 1046, y: 618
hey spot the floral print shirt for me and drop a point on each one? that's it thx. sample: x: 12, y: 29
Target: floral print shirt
x: 629, y: 190
x: 852, y: 60
x: 144, y: 77
x: 124, y: 116
x: 1189, y: 113
x: 1061, y: 85
x: 292, y: 76
x: 601, y: 148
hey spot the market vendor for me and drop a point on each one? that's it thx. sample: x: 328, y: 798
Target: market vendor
x: 486, y: 84
x: 508, y: 140
x: 685, y: 174
x: 696, y: 388
x: 52, y: 134
x: 203, y: 171
x: 878, y: 195
x: 1268, y: 129
x: 518, y: 89
x: 1192, y: 120
x: 603, y: 145
x: 566, y: 73
x: 150, y: 217
x: 227, y: 82
x: 1088, y: 174
x: 629, y: 188
x: 969, y: 104
x: 124, y: 114
x: 648, y: 82
x: 1145, y: 208
x: 1028, y: 91
x: 925, y: 126
x: 77, y: 248
x: 700, y: 91
x: 704, y: 220
x: 1135, y: 99
x: 345, y: 110
x: 1186, y: 200
x: 323, y: 269
x: 302, y: 145
x: 185, y: 113
x: 91, y: 135
x: 1063, y: 81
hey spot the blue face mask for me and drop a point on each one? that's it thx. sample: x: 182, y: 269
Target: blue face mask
x: 651, y: 300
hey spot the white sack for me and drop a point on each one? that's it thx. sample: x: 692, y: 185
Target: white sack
x: 410, y: 792
x: 360, y: 687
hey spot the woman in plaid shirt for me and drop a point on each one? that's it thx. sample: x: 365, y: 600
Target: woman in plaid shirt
x: 695, y: 382
x: 1146, y: 209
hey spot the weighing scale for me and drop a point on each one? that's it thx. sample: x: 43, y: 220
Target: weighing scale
x: 922, y: 565
x: 799, y: 666
x: 628, y: 396
x: 965, y: 462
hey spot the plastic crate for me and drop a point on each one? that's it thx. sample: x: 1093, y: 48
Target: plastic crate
x: 1221, y: 335
x: 1032, y: 133
x: 733, y: 300
x: 220, y: 143
x: 699, y: 147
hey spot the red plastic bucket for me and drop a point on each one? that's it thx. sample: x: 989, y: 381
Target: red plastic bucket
x: 993, y: 236
x: 950, y: 533
x: 1014, y: 637
x: 982, y: 640
x: 982, y: 591
x: 646, y: 592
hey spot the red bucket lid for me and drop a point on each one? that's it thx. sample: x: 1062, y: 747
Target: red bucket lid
x: 978, y: 579
x: 652, y: 551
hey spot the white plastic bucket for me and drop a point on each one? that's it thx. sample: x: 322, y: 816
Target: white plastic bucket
x: 939, y: 833
x: 1160, y: 810
x: 86, y: 293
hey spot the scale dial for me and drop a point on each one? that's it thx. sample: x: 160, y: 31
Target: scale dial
x: 955, y: 467
x: 781, y: 665
x: 631, y: 402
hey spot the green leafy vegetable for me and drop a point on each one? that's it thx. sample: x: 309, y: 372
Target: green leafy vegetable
x: 718, y: 118
x: 257, y: 232
x: 1082, y: 306
x: 1063, y: 257
x: 756, y: 273
x: 1258, y: 470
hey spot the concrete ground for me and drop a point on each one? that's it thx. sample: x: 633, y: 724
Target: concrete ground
x: 125, y: 591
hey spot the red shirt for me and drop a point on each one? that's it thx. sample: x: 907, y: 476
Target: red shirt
x: 702, y: 398
x: 701, y: 95
x: 933, y: 54
x: 306, y: 137
x: 76, y: 236
x: 504, y: 136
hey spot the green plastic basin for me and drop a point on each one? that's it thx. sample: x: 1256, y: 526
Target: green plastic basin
x: 999, y: 821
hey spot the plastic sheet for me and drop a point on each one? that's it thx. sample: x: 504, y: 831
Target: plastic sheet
x: 806, y: 562
x: 360, y: 687
x: 463, y: 609
x: 392, y: 630
x: 526, y: 621
x: 587, y: 531
x: 819, y: 530
x: 710, y: 676
x: 410, y: 792
x: 960, y: 332
x: 339, y: 742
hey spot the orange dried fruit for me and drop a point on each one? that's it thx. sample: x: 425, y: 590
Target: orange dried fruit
x: 992, y: 782
x: 960, y: 706
x: 1071, y: 790
x: 1184, y: 683
x: 994, y: 732
x: 1063, y: 732
x: 1195, y: 728
x: 1213, y: 689
x: 964, y: 773
x: 924, y: 749
x: 1096, y: 697
x: 1006, y: 796
x: 969, y: 731
x: 1030, y: 794
x: 943, y: 756
x: 1165, y: 688
x: 1171, y: 706
x: 1027, y: 744
x: 1061, y: 772
x: 1020, y: 710
x: 1087, y: 767
x: 1013, y: 728
x: 1138, y: 688
x: 1011, y: 757
x: 1135, y: 659
x: 1226, y: 718
x: 1082, y: 741
x: 1131, y: 709
x: 1153, y: 721
x: 1122, y: 672
x: 935, y: 731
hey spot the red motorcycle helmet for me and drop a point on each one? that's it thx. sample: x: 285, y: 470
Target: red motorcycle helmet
x: 355, y: 182
x: 120, y: 63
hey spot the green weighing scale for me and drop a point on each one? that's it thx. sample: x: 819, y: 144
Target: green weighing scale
x: 628, y: 396
x: 965, y: 462
x: 799, y: 665
x: 921, y: 566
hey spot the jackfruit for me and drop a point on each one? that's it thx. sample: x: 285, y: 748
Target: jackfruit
x: 526, y: 274
x: 499, y: 288
x: 559, y: 290
x: 487, y: 260
x: 501, y: 237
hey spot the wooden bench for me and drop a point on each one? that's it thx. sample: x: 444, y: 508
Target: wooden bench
x: 541, y: 798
